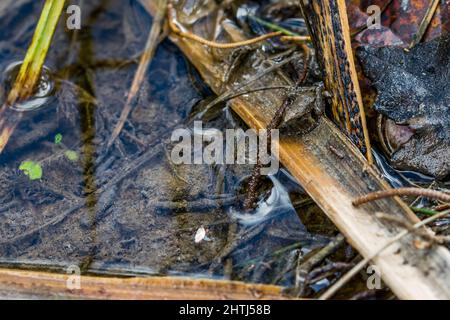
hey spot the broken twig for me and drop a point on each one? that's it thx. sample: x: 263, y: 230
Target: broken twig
x: 432, y: 194
x: 189, y: 35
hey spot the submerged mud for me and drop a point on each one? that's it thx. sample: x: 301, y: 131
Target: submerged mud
x: 129, y: 209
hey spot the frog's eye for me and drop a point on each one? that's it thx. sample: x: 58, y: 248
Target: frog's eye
x: 392, y: 136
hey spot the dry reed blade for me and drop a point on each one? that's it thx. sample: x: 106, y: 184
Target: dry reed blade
x: 146, y: 59
x: 423, y: 27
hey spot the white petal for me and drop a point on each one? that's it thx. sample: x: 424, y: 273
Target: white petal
x: 200, y: 235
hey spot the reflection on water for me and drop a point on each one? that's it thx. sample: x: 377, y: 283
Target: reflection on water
x: 276, y: 204
x: 398, y: 178
x: 129, y: 209
x: 88, y: 132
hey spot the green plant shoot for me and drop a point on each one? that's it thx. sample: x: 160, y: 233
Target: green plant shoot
x: 58, y: 138
x: 71, y: 155
x: 32, y: 169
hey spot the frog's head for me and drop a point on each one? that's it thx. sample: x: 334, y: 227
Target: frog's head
x: 413, y: 100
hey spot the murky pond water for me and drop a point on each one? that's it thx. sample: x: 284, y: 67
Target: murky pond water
x: 129, y: 209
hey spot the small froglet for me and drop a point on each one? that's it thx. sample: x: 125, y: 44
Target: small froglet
x: 303, y: 115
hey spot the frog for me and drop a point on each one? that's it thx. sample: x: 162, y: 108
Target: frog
x: 304, y: 113
x: 234, y: 60
x: 414, y: 103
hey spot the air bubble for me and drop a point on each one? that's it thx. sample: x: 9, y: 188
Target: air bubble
x: 43, y: 94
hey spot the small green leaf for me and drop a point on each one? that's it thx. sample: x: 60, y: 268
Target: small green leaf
x: 71, y: 155
x: 58, y: 138
x: 32, y: 169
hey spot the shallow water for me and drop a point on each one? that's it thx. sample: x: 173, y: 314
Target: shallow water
x: 129, y: 209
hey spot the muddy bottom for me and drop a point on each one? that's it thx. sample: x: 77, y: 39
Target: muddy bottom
x: 129, y: 209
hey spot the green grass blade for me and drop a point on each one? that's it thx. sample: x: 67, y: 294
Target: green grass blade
x: 274, y: 27
x: 31, y: 68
